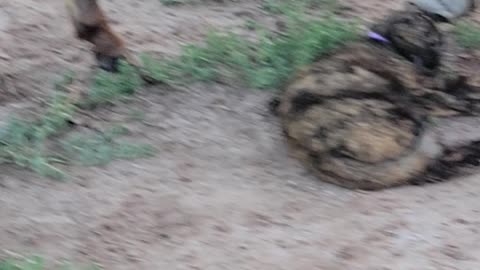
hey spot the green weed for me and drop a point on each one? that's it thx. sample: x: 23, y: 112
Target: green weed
x: 109, y: 87
x: 25, y: 142
x: 171, y: 2
x: 251, y: 24
x: 280, y: 7
x: 136, y: 115
x: 101, y: 149
x: 37, y: 263
x: 267, y: 63
x: 468, y: 35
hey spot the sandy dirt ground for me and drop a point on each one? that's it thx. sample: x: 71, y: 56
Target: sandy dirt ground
x: 222, y: 193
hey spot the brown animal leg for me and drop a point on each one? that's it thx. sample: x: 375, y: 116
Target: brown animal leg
x: 91, y: 25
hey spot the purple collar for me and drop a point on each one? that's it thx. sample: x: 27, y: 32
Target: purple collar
x: 377, y: 37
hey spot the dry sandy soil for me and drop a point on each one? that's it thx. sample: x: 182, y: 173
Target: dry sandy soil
x: 222, y: 193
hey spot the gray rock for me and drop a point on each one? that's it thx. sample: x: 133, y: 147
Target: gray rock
x: 449, y: 9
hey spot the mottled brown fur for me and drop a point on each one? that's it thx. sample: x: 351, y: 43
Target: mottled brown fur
x: 413, y: 35
x: 360, y: 118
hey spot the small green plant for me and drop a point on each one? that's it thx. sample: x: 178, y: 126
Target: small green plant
x: 109, y: 87
x: 136, y: 115
x: 275, y: 6
x: 251, y: 24
x: 202, y: 63
x: 172, y: 2
x: 101, y: 149
x: 37, y: 263
x: 280, y: 7
x: 66, y: 80
x: 277, y: 58
x: 267, y: 63
x: 25, y: 142
x: 468, y: 35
